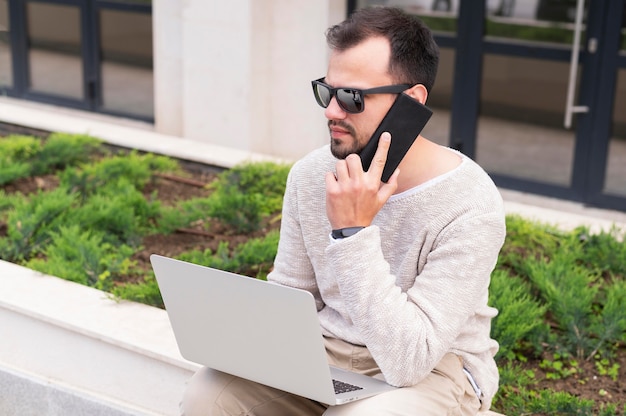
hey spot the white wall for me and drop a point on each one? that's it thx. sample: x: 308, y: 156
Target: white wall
x: 237, y: 73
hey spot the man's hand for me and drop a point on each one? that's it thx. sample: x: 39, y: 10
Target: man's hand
x: 354, y: 197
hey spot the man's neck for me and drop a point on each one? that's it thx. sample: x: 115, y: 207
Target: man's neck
x: 423, y: 162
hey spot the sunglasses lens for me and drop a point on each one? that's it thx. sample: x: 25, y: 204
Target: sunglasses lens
x: 322, y: 95
x: 350, y: 100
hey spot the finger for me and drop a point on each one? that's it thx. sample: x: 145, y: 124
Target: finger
x: 380, y: 157
x: 331, y: 179
x: 341, y: 169
x: 354, y: 165
x: 389, y: 188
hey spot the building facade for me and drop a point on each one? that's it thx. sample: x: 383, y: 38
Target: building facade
x: 534, y: 90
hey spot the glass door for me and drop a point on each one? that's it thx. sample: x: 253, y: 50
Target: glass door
x: 54, y: 50
x: 123, y: 58
x: 614, y: 184
x: 94, y: 55
x: 524, y: 90
x: 552, y: 97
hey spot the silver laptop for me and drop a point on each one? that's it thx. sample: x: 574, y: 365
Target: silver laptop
x: 260, y: 331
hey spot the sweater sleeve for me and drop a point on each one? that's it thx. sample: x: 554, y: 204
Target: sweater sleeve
x: 408, y: 332
x: 292, y: 265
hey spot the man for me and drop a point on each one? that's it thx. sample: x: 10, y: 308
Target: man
x: 399, y: 270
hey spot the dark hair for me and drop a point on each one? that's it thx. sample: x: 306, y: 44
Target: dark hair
x: 414, y: 53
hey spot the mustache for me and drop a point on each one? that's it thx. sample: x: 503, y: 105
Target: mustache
x: 343, y: 125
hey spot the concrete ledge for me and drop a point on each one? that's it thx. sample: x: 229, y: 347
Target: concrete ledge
x: 70, y: 349
x: 74, y: 345
x: 122, y: 132
x: 26, y: 394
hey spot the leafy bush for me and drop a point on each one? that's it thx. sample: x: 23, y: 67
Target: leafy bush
x: 62, y: 149
x: 258, y: 252
x: 604, y: 251
x: 511, y: 296
x: 245, y: 194
x: 147, y: 291
x: 22, y: 156
x: 32, y: 221
x: 183, y: 214
x: 119, y: 211
x: 132, y: 168
x: 15, y: 153
x: 83, y: 257
x: 561, y: 297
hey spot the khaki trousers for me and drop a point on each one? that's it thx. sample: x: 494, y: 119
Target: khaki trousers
x: 445, y: 391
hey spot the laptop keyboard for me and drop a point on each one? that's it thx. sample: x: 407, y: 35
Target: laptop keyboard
x: 341, y: 387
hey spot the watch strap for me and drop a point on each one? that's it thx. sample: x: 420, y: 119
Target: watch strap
x: 345, y: 232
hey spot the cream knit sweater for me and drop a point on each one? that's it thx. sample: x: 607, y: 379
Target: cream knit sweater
x: 411, y: 287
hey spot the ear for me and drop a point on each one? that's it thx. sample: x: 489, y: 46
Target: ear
x: 419, y: 92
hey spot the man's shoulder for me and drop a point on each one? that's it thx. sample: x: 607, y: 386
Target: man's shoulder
x: 316, y: 162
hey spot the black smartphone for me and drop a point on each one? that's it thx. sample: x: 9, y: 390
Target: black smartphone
x: 404, y: 121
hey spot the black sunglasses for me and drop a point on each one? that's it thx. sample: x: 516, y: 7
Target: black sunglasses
x: 350, y: 99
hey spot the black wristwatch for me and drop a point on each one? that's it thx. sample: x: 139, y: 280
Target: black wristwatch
x: 345, y: 232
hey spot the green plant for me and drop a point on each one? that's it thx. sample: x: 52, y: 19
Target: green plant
x: 146, y: 291
x: 570, y: 294
x: 32, y: 221
x: 560, y: 366
x: 134, y: 168
x: 60, y: 150
x: 15, y: 153
x: 609, y: 326
x: 604, y: 251
x: 239, y: 211
x: 119, y: 211
x: 247, y: 193
x: 183, y: 214
x: 266, y: 179
x: 526, y: 240
x: 255, y: 256
x: 83, y: 257
x: 606, y: 368
x: 524, y: 401
x: 22, y: 156
x: 519, y: 314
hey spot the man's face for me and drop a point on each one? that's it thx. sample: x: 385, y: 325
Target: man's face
x: 363, y: 66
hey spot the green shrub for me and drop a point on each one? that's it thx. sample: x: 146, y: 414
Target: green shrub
x: 119, y: 211
x: 604, y: 251
x: 609, y: 328
x: 183, y: 214
x: 146, y: 292
x: 239, y: 211
x: 23, y: 156
x: 266, y: 179
x: 32, y: 221
x: 245, y: 194
x: 570, y: 295
x: 519, y: 315
x: 62, y: 149
x: 133, y: 168
x: 527, y: 240
x: 15, y: 155
x: 255, y: 257
x: 83, y: 257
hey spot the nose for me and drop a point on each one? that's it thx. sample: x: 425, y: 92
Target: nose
x: 333, y: 111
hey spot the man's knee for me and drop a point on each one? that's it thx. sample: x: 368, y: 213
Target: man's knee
x: 212, y: 393
x: 203, y: 391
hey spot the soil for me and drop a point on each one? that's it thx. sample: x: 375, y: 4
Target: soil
x: 587, y: 383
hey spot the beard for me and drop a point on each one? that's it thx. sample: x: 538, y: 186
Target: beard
x: 341, y: 149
